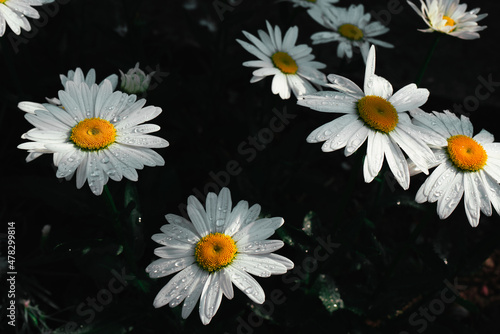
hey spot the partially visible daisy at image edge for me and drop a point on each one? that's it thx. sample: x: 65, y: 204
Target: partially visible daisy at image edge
x: 14, y: 13
x: 350, y: 27
x: 96, y: 134
x: 468, y: 166
x: 377, y: 116
x: 450, y: 17
x: 219, y: 247
x: 312, y: 3
x: 292, y: 66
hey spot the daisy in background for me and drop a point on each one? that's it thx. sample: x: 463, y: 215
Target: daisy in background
x: 135, y: 81
x: 218, y: 248
x: 466, y: 165
x: 350, y: 27
x: 291, y: 66
x: 377, y: 115
x: 450, y: 17
x: 14, y: 13
x: 96, y: 134
x: 313, y: 3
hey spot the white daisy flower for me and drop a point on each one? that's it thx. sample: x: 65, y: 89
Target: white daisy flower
x: 466, y: 165
x: 135, y: 80
x: 377, y: 115
x: 313, y: 3
x: 96, y: 134
x: 448, y: 17
x: 76, y: 76
x: 14, y: 13
x: 351, y: 27
x: 220, y: 247
x: 291, y: 65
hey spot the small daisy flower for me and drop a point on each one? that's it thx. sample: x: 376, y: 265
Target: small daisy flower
x: 377, y: 115
x: 291, y: 66
x: 135, y: 81
x: 96, y: 134
x: 313, y: 3
x: 450, y: 17
x: 351, y: 27
x: 218, y: 248
x: 466, y: 165
x: 14, y: 13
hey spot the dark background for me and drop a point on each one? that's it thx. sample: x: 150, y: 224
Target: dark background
x: 394, y: 255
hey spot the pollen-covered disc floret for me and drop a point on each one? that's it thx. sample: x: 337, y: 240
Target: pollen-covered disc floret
x: 449, y: 21
x: 215, y: 251
x: 350, y: 31
x: 284, y: 62
x: 374, y: 115
x: 350, y: 27
x: 219, y: 247
x: 450, y: 17
x: 466, y: 153
x: 466, y: 165
x: 292, y: 66
x: 378, y: 113
x: 93, y: 134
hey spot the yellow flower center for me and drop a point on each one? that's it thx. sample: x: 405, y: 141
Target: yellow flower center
x: 3, y: 1
x: 284, y: 62
x: 215, y: 251
x: 378, y: 113
x: 93, y: 134
x: 466, y: 153
x: 449, y: 21
x: 350, y: 31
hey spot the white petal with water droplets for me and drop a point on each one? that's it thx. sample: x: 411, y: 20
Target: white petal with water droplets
x: 198, y: 216
x: 211, y: 297
x: 177, y: 288
x: 472, y: 201
x: 164, y: 267
x: 247, y: 284
x: 194, y: 292
x: 259, y: 246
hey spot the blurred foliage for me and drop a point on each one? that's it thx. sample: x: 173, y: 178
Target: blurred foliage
x: 368, y: 258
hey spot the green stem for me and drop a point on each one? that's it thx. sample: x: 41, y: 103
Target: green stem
x: 127, y: 251
x: 351, y: 183
x: 428, y: 59
x: 110, y: 202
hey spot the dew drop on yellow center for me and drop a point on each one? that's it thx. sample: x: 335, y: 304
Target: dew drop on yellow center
x: 351, y: 32
x: 466, y: 153
x: 284, y: 62
x: 378, y: 113
x: 93, y: 134
x: 215, y: 251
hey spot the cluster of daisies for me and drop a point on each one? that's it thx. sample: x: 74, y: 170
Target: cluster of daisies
x: 393, y: 125
x: 97, y: 133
